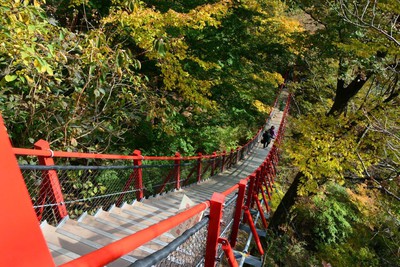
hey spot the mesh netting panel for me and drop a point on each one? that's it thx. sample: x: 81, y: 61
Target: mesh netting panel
x: 227, y: 217
x: 190, y: 253
x: 188, y: 173
x: 158, y: 177
x: 226, y: 227
x: 206, y: 169
x: 84, y: 190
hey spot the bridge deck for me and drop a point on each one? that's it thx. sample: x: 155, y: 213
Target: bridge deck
x: 71, y: 239
x: 223, y: 181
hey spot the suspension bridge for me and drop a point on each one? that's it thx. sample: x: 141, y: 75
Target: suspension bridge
x: 85, y: 209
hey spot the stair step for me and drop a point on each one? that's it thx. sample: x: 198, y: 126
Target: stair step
x: 170, y: 205
x: 69, y: 247
x: 128, y: 224
x: 95, y: 238
x: 61, y: 255
x: 261, y: 233
x: 139, y: 209
x: 117, y: 230
x: 120, y: 215
x: 249, y: 259
x: 150, y: 208
x: 135, y: 216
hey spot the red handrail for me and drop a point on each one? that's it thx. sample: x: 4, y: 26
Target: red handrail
x: 125, y: 245
x: 117, y: 249
x: 121, y: 247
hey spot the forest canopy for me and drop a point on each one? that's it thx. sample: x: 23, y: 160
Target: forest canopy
x: 187, y: 76
x: 200, y: 76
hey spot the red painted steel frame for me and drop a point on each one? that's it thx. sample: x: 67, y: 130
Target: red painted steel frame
x: 223, y: 161
x: 214, y: 227
x: 22, y: 242
x: 177, y: 171
x: 261, y: 211
x: 136, y: 176
x: 238, y: 211
x: 250, y: 191
x: 113, y: 251
x: 199, y: 166
x: 253, y: 229
x: 50, y: 186
x: 34, y: 247
x: 226, y: 247
x: 265, y: 199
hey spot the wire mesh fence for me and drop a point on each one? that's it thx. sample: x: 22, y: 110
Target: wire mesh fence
x: 226, y: 227
x: 190, y: 252
x: 186, y: 250
x: 83, y: 188
x: 86, y: 188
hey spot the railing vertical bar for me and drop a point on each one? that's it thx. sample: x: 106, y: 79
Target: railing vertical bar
x: 214, y: 228
x: 50, y: 186
x: 177, y: 171
x: 199, y: 167
x: 238, y: 211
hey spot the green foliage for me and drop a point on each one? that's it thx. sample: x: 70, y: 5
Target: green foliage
x: 333, y: 223
x: 329, y: 216
x: 59, y: 80
x: 346, y: 255
x: 345, y: 227
x: 324, y: 149
x: 286, y: 251
x: 375, y: 236
x: 79, y: 188
x: 122, y: 75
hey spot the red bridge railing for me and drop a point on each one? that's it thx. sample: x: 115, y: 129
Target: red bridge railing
x: 251, y: 193
x: 68, y: 183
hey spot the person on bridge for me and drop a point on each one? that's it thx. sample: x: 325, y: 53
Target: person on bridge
x: 272, y: 132
x: 267, y: 136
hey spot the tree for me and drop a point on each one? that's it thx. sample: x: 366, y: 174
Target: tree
x: 348, y: 91
x: 153, y: 75
x: 380, y: 16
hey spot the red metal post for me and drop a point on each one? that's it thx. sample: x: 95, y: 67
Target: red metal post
x: 199, y: 167
x: 265, y: 198
x: 226, y: 247
x: 138, y: 174
x: 177, y: 171
x: 231, y: 157
x: 264, y: 184
x: 268, y: 176
x: 253, y: 229
x: 272, y: 171
x: 50, y: 185
x: 257, y: 184
x: 261, y: 211
x: 223, y: 161
x: 238, y: 211
x: 267, y: 185
x: 213, y: 158
x: 22, y: 242
x: 250, y: 190
x: 214, y: 227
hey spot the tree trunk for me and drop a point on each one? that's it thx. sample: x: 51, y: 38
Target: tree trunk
x: 281, y: 215
x: 344, y: 94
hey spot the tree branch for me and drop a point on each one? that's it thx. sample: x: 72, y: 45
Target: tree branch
x: 352, y: 16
